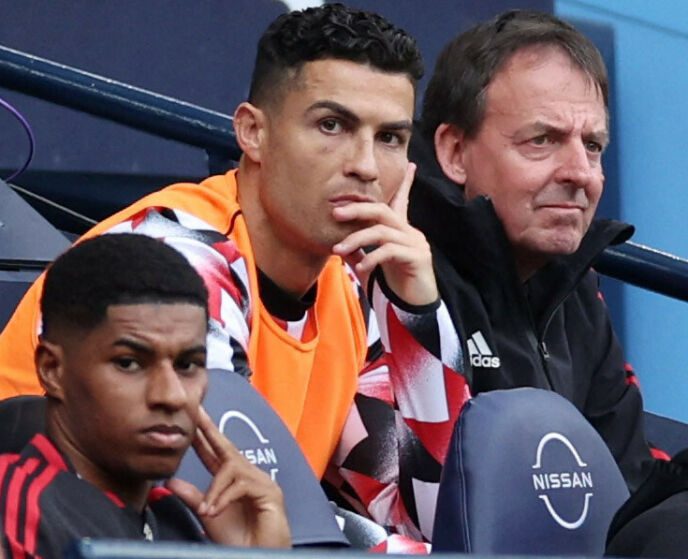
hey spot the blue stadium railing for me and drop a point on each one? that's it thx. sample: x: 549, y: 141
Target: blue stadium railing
x: 176, y: 120
x: 119, y: 102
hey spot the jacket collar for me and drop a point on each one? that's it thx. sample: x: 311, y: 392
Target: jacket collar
x: 471, y: 237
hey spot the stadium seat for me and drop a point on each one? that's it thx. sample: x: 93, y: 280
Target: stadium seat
x: 27, y: 244
x: 21, y: 418
x: 246, y: 418
x: 526, y: 474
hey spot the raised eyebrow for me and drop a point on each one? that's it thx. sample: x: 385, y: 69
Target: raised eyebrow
x: 335, y: 107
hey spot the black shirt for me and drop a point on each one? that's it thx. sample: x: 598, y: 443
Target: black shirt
x: 45, y: 505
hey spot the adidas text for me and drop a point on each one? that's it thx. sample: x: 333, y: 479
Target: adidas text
x: 485, y: 361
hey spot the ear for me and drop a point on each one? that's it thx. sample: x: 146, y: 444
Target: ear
x: 250, y: 130
x: 450, y: 145
x: 49, y: 360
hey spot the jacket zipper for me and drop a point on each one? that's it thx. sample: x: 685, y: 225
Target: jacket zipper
x: 543, y: 350
x: 542, y: 346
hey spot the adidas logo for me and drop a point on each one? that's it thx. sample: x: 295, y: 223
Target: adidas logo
x: 480, y: 353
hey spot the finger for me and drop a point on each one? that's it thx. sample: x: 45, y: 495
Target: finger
x: 205, y: 452
x: 408, y: 273
x: 372, y: 212
x: 383, y: 255
x: 262, y: 496
x: 234, y: 472
x: 221, y: 483
x: 353, y: 257
x: 241, y: 492
x: 187, y: 492
x: 374, y: 236
x: 239, y: 473
x: 219, y: 444
x: 230, y: 494
x: 399, y: 202
x: 231, y: 529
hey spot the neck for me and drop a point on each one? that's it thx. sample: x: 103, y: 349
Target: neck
x: 293, y: 267
x: 131, y: 490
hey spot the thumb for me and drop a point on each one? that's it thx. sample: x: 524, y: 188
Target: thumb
x: 186, y: 491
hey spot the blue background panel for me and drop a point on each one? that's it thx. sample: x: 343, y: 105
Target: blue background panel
x: 651, y: 123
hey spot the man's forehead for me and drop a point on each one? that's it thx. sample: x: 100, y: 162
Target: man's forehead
x: 530, y: 58
x: 545, y: 80
x: 155, y: 321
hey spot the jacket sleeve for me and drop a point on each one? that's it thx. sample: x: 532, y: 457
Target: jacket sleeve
x: 219, y: 263
x: 614, y: 405
x: 410, y: 393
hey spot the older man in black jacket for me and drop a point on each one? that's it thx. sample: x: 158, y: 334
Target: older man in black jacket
x: 514, y: 123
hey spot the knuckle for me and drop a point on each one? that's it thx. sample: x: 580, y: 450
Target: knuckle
x: 240, y: 484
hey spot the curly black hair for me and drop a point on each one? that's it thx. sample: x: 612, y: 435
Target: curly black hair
x: 331, y: 31
x: 115, y: 269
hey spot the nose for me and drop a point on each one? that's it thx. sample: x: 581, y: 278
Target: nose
x: 362, y: 161
x: 165, y: 389
x: 575, y: 167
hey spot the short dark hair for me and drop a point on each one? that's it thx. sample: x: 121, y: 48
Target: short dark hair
x: 331, y: 31
x: 115, y: 269
x: 456, y: 93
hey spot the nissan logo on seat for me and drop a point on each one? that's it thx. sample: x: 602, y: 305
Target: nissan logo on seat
x: 557, y: 486
x: 261, y: 453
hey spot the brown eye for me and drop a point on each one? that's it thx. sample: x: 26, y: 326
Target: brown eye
x: 594, y: 147
x: 191, y: 366
x: 128, y: 364
x: 391, y: 139
x: 542, y: 140
x: 330, y: 126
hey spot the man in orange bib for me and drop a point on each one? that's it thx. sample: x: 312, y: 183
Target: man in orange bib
x: 353, y: 348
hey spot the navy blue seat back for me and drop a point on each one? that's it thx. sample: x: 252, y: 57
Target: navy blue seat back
x: 526, y: 474
x: 21, y: 418
x: 250, y: 423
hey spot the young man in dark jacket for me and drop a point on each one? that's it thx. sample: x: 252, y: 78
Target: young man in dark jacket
x: 514, y: 125
x: 122, y: 359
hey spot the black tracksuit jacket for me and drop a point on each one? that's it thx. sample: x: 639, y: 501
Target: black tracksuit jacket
x: 553, y: 332
x: 45, y: 505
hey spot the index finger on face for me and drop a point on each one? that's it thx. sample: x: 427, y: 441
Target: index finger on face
x: 399, y: 202
x: 218, y: 443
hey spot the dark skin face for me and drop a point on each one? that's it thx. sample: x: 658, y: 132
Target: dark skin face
x: 125, y: 395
